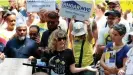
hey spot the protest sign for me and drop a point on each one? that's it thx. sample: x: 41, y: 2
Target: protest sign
x: 79, y: 9
x: 14, y: 66
x: 36, y: 5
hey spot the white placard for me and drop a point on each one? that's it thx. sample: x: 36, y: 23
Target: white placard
x: 36, y: 5
x: 129, y: 65
x: 14, y: 66
x: 77, y: 8
x: 110, y: 58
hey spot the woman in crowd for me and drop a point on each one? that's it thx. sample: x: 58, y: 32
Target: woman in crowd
x: 114, y: 57
x: 83, y: 42
x: 60, y: 57
x: 8, y: 32
x: 99, y: 16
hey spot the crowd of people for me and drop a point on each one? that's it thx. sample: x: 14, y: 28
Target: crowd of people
x: 72, y: 46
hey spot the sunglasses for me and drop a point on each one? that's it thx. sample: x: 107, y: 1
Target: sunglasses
x: 63, y: 38
x: 33, y: 34
x: 112, y: 6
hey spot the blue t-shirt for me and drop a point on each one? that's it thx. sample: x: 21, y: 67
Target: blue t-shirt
x: 120, y: 55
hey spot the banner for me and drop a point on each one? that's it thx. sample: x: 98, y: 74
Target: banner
x: 14, y: 66
x: 75, y: 8
x: 36, y: 5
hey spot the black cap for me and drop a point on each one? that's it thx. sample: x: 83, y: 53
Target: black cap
x: 114, y: 13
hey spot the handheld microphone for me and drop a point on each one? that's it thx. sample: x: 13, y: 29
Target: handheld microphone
x: 34, y: 61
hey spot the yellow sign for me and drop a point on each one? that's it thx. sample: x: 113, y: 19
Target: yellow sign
x: 126, y: 5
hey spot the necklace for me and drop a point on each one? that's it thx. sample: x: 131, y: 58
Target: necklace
x: 117, y: 48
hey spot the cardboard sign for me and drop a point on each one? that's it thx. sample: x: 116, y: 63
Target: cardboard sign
x: 14, y: 66
x: 36, y: 5
x: 75, y: 8
x: 110, y: 58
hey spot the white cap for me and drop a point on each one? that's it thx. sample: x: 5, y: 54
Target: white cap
x: 20, y: 24
x: 78, y: 29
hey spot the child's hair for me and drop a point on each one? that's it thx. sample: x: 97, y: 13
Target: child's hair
x: 120, y: 28
x: 101, y: 6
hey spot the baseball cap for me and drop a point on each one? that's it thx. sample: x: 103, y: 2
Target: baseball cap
x: 78, y: 29
x: 114, y: 2
x: 114, y: 13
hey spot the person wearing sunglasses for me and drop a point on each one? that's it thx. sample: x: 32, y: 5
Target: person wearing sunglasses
x: 59, y: 56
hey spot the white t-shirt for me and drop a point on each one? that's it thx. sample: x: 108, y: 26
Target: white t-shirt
x: 101, y: 23
x: 105, y: 30
x: 129, y: 63
x: 7, y: 34
x: 129, y: 17
x: 126, y: 23
x: 101, y: 36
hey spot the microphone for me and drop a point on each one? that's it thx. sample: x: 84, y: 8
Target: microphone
x: 43, y: 59
x: 34, y: 61
x: 42, y: 62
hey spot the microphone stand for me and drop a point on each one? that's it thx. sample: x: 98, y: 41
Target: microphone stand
x: 34, y: 66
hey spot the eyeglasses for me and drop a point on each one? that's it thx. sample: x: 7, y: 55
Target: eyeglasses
x: 33, y: 34
x: 112, y: 6
x: 63, y: 38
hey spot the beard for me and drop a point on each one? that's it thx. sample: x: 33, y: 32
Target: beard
x: 21, y: 38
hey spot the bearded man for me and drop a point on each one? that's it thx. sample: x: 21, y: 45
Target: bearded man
x: 20, y: 46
